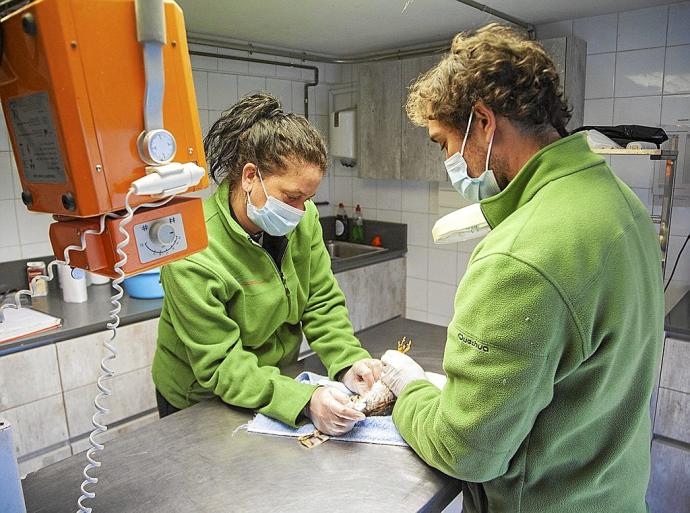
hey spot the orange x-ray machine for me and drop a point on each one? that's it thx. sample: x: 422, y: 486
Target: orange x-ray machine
x: 85, y: 108
x: 99, y: 102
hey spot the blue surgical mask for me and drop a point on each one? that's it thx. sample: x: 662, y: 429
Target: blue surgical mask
x: 473, y: 189
x: 275, y: 217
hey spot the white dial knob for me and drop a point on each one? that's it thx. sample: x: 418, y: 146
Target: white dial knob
x: 162, y: 233
x: 157, y: 146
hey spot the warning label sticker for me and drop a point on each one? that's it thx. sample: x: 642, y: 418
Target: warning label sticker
x: 39, y: 152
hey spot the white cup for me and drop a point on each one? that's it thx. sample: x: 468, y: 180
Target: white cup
x: 73, y: 282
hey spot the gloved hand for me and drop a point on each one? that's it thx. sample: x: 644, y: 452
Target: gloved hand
x: 399, y: 370
x: 361, y: 376
x: 329, y: 412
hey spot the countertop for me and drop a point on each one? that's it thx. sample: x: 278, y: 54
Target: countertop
x: 196, y: 460
x: 79, y: 319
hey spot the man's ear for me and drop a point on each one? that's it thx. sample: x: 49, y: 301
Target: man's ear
x: 485, y: 119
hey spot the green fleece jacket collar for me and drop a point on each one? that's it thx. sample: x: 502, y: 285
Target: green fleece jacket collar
x: 561, y: 158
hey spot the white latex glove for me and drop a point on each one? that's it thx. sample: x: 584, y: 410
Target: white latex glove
x: 399, y: 370
x: 328, y: 411
x: 362, y: 375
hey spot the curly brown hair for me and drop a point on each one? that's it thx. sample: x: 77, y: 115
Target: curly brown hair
x: 496, y: 65
x: 257, y: 130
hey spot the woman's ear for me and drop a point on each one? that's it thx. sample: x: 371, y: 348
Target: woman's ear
x: 248, y: 177
x: 486, y: 120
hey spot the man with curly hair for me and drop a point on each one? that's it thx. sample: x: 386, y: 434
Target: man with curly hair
x: 552, y: 351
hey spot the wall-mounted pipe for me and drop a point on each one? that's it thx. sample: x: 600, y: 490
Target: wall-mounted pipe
x: 221, y: 42
x: 307, y: 85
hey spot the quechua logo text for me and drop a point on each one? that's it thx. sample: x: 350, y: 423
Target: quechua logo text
x: 477, y: 345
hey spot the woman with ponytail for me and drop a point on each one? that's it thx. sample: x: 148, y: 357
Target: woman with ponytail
x: 234, y: 314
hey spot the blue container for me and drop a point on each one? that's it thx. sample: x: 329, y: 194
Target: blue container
x: 145, y: 285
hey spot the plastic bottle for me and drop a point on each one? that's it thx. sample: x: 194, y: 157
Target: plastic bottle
x: 341, y: 223
x: 358, y: 226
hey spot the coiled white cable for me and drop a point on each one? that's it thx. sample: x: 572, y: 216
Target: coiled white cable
x: 107, y: 372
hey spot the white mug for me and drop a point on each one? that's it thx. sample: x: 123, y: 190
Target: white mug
x: 73, y: 282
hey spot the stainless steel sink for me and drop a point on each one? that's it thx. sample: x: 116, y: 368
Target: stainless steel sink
x: 340, y: 250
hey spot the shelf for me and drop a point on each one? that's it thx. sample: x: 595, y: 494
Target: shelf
x: 670, y: 154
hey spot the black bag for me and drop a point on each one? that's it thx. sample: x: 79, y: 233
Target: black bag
x: 623, y: 134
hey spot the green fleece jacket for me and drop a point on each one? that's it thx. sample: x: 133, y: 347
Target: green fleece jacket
x: 552, y: 352
x: 231, y: 319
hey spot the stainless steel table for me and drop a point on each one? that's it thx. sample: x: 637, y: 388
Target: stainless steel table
x: 195, y: 461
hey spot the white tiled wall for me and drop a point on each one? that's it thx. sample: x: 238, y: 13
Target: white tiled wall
x: 638, y: 72
x: 23, y: 234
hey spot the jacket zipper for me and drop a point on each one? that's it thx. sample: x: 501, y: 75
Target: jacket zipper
x: 278, y: 271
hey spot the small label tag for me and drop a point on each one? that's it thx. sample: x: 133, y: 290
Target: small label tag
x: 36, y: 138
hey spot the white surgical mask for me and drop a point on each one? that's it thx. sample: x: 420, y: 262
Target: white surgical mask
x: 473, y: 189
x: 275, y: 217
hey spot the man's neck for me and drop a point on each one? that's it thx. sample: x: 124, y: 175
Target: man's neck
x: 523, y: 149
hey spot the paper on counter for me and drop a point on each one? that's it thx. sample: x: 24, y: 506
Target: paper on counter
x: 23, y: 321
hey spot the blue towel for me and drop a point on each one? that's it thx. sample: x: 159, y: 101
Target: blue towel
x: 373, y: 430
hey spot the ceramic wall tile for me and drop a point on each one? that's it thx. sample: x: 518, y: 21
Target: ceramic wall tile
x: 640, y: 72
x: 643, y: 28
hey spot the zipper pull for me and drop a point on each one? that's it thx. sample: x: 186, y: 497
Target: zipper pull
x: 287, y: 290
